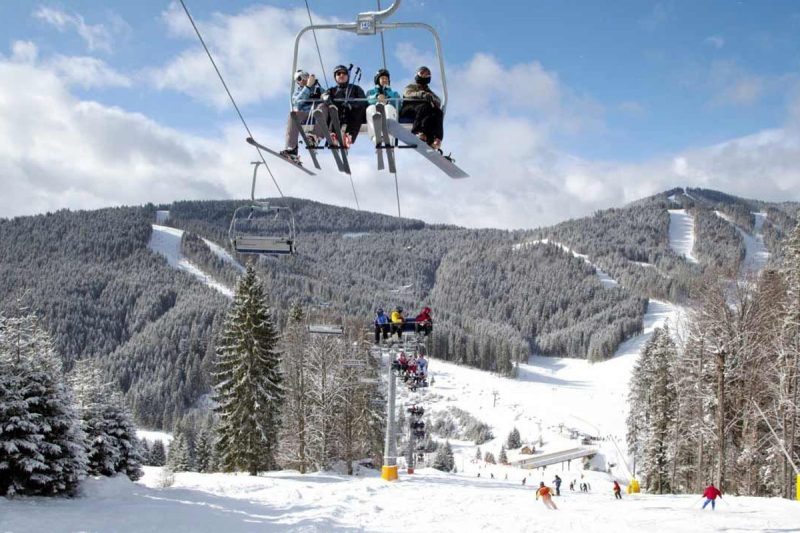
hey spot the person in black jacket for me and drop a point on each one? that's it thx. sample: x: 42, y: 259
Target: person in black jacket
x: 422, y: 105
x: 351, y: 102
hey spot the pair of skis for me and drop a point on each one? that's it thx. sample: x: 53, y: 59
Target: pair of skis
x: 336, y: 145
x: 323, y: 132
x: 383, y: 142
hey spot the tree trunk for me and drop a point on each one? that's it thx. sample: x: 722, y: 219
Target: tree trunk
x: 720, y: 369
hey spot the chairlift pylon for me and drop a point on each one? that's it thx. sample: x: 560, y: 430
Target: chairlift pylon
x: 261, y: 228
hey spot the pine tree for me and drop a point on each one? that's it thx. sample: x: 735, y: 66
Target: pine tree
x: 110, y: 432
x: 489, y: 458
x: 179, y: 459
x: 514, y: 440
x: 41, y: 442
x: 503, y: 458
x: 158, y: 454
x: 204, y: 452
x: 478, y: 454
x: 248, y: 382
x: 444, y: 459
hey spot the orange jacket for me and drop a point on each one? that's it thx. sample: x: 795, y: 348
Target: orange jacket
x: 544, y: 492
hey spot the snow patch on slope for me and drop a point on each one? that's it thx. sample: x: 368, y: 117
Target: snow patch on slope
x: 152, y: 436
x: 223, y: 254
x: 167, y: 242
x: 756, y: 255
x: 681, y: 233
x: 605, y: 279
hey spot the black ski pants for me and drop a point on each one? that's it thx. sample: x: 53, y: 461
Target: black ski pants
x: 381, y: 328
x: 428, y: 120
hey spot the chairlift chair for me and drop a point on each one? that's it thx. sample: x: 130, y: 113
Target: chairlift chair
x: 261, y: 228
x: 370, y: 23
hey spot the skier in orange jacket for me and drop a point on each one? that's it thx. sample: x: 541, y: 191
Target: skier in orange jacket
x: 546, y: 494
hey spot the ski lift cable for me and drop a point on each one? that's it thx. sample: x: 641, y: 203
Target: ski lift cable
x: 225, y: 85
x: 316, y: 43
x: 383, y: 46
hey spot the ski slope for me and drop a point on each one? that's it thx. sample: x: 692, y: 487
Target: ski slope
x: 167, y: 242
x: 756, y: 254
x: 681, y: 233
x: 152, y: 436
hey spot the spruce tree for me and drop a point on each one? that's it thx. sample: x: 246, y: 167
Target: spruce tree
x: 514, y: 440
x: 489, y: 458
x: 179, y: 458
x: 478, y: 454
x: 248, y: 382
x: 158, y: 454
x: 444, y: 459
x: 41, y: 442
x: 112, y: 445
x: 204, y: 452
x: 503, y: 458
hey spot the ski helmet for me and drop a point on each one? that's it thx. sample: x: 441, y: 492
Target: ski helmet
x: 379, y: 311
x: 340, y: 68
x: 423, y: 80
x: 399, y: 309
x: 382, y: 72
x: 300, y: 75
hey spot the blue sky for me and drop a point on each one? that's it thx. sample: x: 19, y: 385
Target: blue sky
x: 578, y: 104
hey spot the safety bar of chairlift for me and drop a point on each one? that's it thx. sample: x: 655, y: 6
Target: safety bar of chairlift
x: 353, y: 27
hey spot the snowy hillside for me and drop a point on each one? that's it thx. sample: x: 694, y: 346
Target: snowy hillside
x: 756, y: 254
x: 605, y: 279
x: 167, y: 242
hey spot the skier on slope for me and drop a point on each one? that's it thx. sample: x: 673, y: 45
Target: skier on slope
x: 557, y: 482
x: 711, y: 494
x: 545, y: 492
x: 617, y: 490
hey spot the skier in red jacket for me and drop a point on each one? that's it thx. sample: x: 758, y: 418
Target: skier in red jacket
x: 710, y: 494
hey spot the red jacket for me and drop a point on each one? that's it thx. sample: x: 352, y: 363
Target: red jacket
x: 424, y: 316
x: 711, y: 492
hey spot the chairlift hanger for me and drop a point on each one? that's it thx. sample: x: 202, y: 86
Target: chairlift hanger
x: 370, y: 23
x: 259, y: 244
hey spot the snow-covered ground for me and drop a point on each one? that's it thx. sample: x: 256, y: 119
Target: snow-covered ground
x: 223, y: 254
x: 167, y: 242
x: 551, y: 393
x: 756, y: 254
x: 681, y: 233
x: 151, y: 436
x: 605, y: 279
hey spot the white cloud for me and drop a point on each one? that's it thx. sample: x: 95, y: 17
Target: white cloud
x: 24, y: 51
x: 253, y: 49
x: 87, y: 72
x: 97, y: 36
x: 59, y: 151
x: 717, y: 41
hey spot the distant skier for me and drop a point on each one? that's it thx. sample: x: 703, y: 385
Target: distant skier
x: 381, y: 325
x: 525, y: 479
x: 557, y: 482
x: 545, y: 492
x: 617, y: 490
x: 711, y: 494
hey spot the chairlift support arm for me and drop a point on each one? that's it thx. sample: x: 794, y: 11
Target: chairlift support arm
x: 369, y: 23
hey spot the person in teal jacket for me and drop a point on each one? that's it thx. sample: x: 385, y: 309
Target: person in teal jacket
x: 382, y: 93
